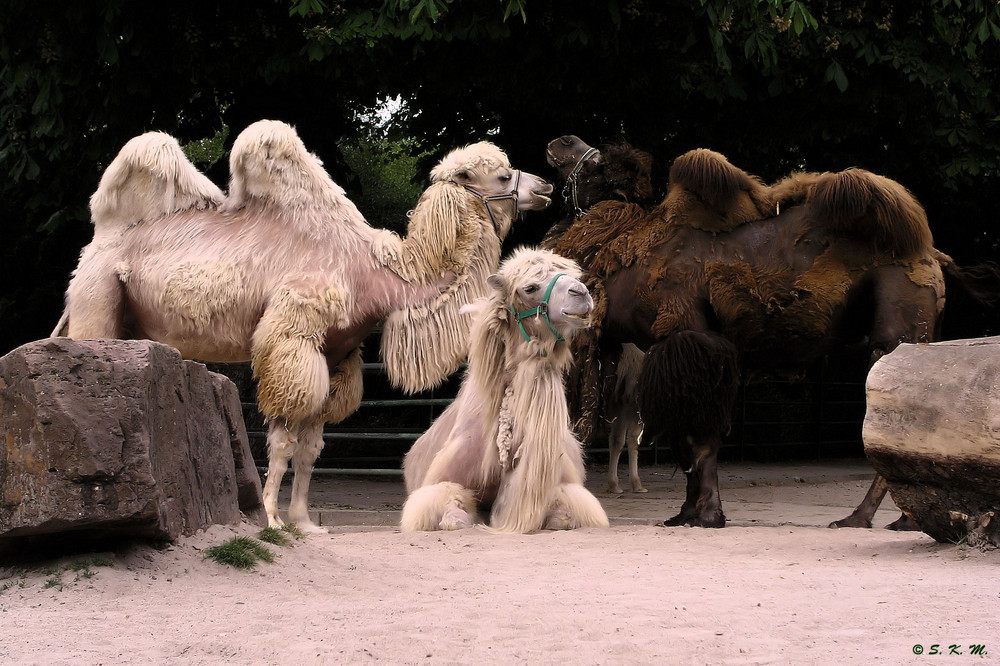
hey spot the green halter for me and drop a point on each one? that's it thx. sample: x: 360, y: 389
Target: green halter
x: 542, y: 309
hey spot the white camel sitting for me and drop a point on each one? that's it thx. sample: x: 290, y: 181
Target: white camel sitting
x: 504, y: 445
x: 286, y: 273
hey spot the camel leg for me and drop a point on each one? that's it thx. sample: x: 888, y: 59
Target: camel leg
x: 310, y: 443
x: 616, y: 444
x: 279, y: 451
x: 687, y: 389
x: 575, y: 507
x: 702, y: 503
x: 440, y: 506
x: 633, y: 437
x: 863, y: 514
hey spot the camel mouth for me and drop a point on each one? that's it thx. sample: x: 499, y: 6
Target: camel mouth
x: 581, y: 319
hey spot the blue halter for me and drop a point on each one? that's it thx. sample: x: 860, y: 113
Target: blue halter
x: 542, y: 309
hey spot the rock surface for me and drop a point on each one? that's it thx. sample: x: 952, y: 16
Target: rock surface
x: 119, y: 438
x: 933, y: 431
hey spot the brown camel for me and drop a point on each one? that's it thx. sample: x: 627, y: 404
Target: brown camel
x: 729, y: 276
x: 614, y: 172
x: 286, y: 273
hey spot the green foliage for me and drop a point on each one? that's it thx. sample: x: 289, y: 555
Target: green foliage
x: 908, y: 89
x: 204, y: 153
x: 387, y: 173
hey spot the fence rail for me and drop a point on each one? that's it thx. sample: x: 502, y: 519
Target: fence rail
x: 817, y: 417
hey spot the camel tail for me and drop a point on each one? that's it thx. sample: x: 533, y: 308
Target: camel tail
x: 62, y: 328
x: 150, y: 177
x: 972, y: 305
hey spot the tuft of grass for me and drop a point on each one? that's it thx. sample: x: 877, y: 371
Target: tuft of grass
x: 21, y: 576
x: 82, y: 568
x: 293, y: 530
x: 240, y: 552
x: 274, y: 536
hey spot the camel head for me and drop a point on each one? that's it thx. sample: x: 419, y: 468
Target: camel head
x: 615, y: 172
x: 484, y: 170
x: 543, y: 293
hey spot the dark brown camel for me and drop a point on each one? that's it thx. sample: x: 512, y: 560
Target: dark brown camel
x: 728, y: 275
x: 615, y: 172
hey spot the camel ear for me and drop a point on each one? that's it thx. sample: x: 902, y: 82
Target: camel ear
x: 461, y: 177
x: 497, y: 282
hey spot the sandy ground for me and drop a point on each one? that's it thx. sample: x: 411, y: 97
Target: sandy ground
x: 775, y: 586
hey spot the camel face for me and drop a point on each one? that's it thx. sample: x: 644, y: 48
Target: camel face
x: 547, y: 301
x: 564, y: 153
x: 569, y: 303
x: 615, y: 172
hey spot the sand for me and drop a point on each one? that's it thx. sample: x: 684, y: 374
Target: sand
x: 775, y: 586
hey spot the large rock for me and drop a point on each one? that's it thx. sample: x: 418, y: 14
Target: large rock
x: 122, y: 438
x: 933, y: 431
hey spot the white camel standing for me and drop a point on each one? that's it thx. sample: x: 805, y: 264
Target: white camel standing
x: 505, y: 445
x: 286, y: 273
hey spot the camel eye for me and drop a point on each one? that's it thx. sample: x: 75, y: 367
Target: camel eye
x: 505, y: 178
x: 531, y: 288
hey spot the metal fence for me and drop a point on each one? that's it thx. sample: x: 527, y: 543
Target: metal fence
x: 816, y: 416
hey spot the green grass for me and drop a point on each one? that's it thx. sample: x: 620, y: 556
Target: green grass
x: 240, y: 552
x: 82, y: 568
x: 245, y: 552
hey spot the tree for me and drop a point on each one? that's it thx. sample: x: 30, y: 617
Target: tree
x: 905, y: 89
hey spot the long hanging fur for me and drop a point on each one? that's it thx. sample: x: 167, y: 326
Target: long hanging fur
x: 509, y: 420
x: 688, y: 385
x: 448, y: 223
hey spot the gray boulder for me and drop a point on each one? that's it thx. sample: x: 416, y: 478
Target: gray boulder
x: 932, y: 429
x: 121, y: 438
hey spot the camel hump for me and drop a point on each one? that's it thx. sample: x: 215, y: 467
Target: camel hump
x: 149, y: 178
x: 861, y: 204
x: 708, y: 192
x: 269, y: 164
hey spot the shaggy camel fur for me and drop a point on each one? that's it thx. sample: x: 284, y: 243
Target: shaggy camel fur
x: 504, y: 446
x: 729, y: 274
x: 286, y: 273
x: 589, y: 175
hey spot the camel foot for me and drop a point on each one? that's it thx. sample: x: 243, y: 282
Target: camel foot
x: 309, y: 527
x: 455, y: 518
x: 615, y: 489
x: 903, y: 524
x: 852, y: 520
x: 711, y: 519
x: 274, y: 521
x: 640, y: 489
x: 558, y: 520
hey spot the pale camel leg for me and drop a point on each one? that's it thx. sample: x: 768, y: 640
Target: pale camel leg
x: 279, y: 451
x: 440, y: 506
x: 633, y: 437
x: 575, y: 507
x: 310, y: 443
